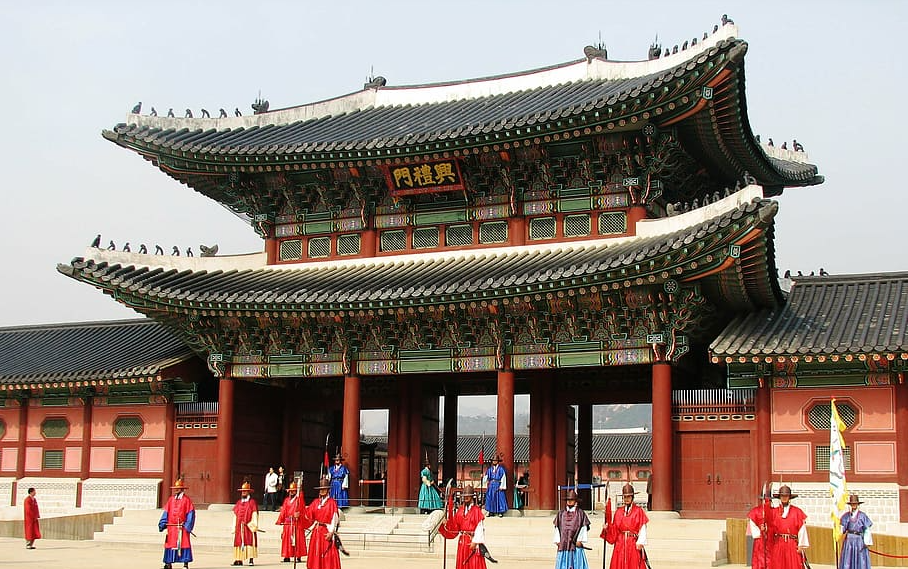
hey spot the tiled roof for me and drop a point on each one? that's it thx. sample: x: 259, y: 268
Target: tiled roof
x: 426, y: 278
x: 473, y: 114
x: 607, y: 447
x: 87, y: 351
x: 826, y: 315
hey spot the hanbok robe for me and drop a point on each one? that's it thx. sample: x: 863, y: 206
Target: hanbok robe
x: 31, y: 515
x: 496, y: 478
x: 789, y: 530
x: 467, y: 521
x: 294, y: 520
x: 762, y: 543
x: 177, y: 519
x: 245, y: 524
x: 572, y: 525
x: 428, y: 494
x: 323, y: 553
x: 339, y: 482
x: 856, y: 527
x: 628, y: 528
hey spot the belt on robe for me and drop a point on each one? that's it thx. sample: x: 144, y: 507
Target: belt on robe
x: 855, y: 532
x: 629, y: 534
x: 469, y: 533
x: 786, y: 536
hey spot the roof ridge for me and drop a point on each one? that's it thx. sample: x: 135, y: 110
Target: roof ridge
x: 73, y: 325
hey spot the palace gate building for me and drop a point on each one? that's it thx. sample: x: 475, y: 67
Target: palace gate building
x: 580, y: 233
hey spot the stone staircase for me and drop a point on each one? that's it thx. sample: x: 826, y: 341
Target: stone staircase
x: 673, y: 542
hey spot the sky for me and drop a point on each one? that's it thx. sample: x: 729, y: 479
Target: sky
x: 828, y: 73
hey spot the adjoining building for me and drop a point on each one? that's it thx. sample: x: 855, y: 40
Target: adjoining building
x: 581, y: 233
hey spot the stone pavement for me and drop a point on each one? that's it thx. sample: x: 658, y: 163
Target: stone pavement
x: 60, y: 554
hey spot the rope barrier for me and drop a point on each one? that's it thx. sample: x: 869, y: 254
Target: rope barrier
x: 887, y: 554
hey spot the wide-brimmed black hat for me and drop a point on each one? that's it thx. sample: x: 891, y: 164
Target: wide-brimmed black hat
x: 628, y: 490
x: 853, y: 499
x: 468, y: 490
x: 784, y: 491
x: 323, y: 483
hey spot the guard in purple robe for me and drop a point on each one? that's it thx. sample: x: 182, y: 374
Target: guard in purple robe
x: 572, y: 527
x: 856, y: 527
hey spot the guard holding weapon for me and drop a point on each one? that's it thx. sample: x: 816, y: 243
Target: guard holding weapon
x: 324, y: 543
x: 466, y: 524
x: 294, y: 518
x: 178, y: 519
x: 572, y: 527
x: 788, y: 526
x: 758, y: 524
x: 245, y: 526
x: 627, y: 532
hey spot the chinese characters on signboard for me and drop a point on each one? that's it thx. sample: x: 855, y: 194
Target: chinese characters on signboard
x: 424, y: 178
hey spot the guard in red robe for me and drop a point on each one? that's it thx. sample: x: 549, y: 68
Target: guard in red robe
x: 32, y: 531
x: 294, y: 519
x: 627, y: 532
x: 178, y: 519
x: 758, y: 525
x: 788, y: 526
x: 467, y: 522
x: 323, y: 552
x: 245, y: 526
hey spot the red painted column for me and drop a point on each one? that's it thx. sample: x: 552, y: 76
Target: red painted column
x: 517, y: 230
x: 505, y: 430
x: 397, y: 470
x: 585, y: 452
x: 271, y: 248
x: 901, y: 426
x: 634, y: 215
x: 546, y: 486
x: 223, y: 489
x: 663, y: 436
x: 350, y: 435
x: 368, y: 243
x: 764, y: 436
x: 170, y: 451
x: 449, y: 461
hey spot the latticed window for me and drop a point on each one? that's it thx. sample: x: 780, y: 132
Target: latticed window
x: 55, y: 428
x: 425, y: 238
x: 493, y: 232
x: 820, y: 415
x: 542, y: 228
x: 821, y: 458
x: 576, y: 225
x: 642, y: 474
x: 319, y: 247
x: 459, y: 235
x: 128, y: 427
x: 393, y: 241
x: 615, y: 474
x: 52, y: 460
x: 127, y: 460
x: 2, y: 428
x: 291, y: 250
x: 612, y: 223
x: 348, y: 244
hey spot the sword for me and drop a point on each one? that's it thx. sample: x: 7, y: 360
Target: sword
x: 804, y: 559
x: 645, y: 558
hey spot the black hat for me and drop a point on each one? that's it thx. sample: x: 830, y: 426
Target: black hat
x: 853, y: 499
x: 784, y: 491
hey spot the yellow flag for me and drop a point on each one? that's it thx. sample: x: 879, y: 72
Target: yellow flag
x: 838, y: 489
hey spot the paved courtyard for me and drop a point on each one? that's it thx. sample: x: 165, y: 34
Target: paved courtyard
x: 89, y: 554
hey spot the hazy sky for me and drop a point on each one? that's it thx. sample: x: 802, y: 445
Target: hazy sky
x: 831, y: 74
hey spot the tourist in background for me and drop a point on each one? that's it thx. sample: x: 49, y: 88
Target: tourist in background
x: 856, y: 527
x: 520, y: 490
x: 31, y: 515
x: 269, y: 500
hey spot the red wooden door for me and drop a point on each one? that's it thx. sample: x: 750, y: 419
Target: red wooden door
x: 198, y: 458
x: 695, y: 457
x: 732, y: 468
x: 715, y: 471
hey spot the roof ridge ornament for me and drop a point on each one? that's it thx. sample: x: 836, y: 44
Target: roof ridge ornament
x: 260, y: 105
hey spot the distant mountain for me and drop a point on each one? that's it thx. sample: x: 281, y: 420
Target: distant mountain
x: 604, y: 417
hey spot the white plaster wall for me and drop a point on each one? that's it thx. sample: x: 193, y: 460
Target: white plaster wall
x: 114, y: 493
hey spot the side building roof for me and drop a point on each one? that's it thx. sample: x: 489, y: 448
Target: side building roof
x: 121, y: 349
x: 847, y: 315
